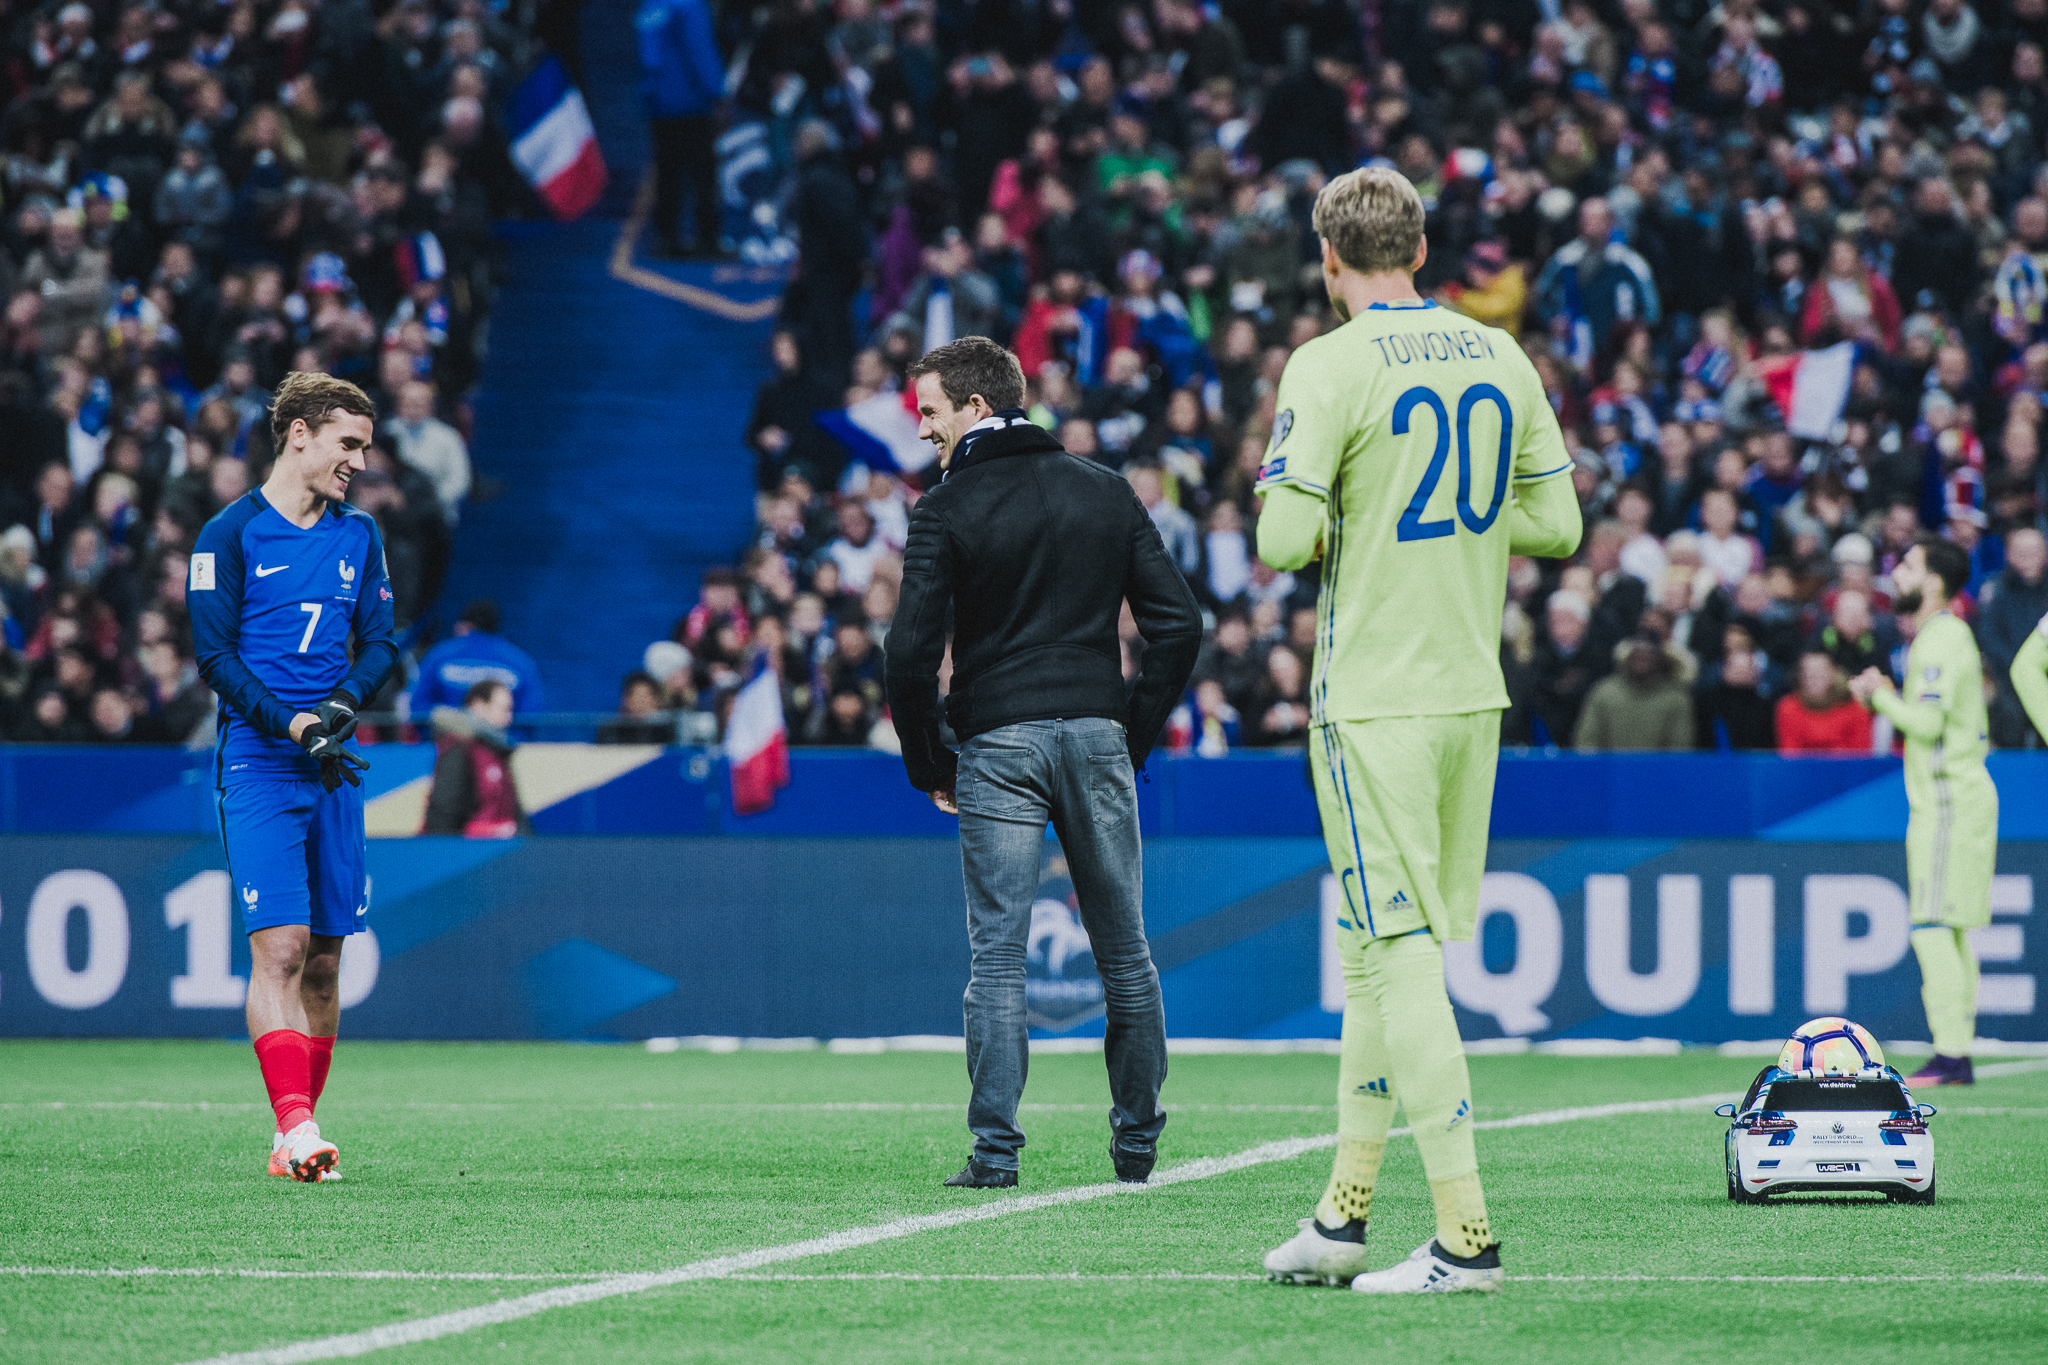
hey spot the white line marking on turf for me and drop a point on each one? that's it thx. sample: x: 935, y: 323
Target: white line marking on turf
x: 722, y: 1267
x: 1167, y: 1276
x: 2013, y: 1068
x: 1989, y: 1071
x: 1054, y: 1277
x: 825, y: 1107
x: 246, y: 1273
x: 1074, y: 1276
x: 200, y: 1105
x: 2015, y: 1277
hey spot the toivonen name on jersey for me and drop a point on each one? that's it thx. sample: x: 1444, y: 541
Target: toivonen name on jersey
x: 1399, y: 348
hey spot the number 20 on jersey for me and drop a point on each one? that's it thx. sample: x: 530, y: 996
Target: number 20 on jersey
x: 1411, y: 525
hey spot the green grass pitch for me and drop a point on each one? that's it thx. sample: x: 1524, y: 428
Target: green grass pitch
x: 563, y: 1164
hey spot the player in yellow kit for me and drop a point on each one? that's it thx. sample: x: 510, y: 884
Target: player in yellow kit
x: 1414, y: 450
x: 2030, y: 676
x: 1952, y: 833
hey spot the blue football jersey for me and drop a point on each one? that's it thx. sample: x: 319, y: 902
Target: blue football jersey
x: 273, y: 608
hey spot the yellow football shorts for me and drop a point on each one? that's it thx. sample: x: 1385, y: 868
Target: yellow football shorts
x: 1952, y: 850
x: 1405, y: 804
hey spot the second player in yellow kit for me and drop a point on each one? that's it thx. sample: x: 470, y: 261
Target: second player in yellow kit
x: 2030, y: 676
x: 1952, y: 832
x: 1413, y: 451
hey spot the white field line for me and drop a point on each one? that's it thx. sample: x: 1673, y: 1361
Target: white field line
x: 1048, y: 1277
x: 200, y: 1106
x: 820, y: 1107
x: 2013, y: 1068
x: 1991, y: 1070
x: 1171, y: 1276
x: 1072, y: 1276
x: 721, y: 1267
x: 247, y: 1273
x: 848, y: 1107
x: 2014, y: 1277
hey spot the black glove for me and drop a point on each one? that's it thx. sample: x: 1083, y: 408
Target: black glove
x: 315, y: 740
x: 337, y: 715
x: 340, y: 766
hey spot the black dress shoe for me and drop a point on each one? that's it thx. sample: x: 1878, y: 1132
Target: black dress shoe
x: 975, y: 1176
x: 1133, y: 1164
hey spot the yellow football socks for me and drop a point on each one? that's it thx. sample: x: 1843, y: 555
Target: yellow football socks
x: 1401, y: 1039
x: 1365, y: 1110
x: 1948, y: 986
x: 1349, y: 1194
x: 1461, y: 1227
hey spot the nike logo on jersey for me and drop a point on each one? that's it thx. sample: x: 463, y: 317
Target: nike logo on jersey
x: 262, y: 572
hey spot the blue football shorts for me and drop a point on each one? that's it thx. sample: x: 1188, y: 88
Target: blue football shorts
x: 296, y: 855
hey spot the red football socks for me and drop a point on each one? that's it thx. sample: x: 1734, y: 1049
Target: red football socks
x: 286, y: 1056
x: 322, y: 1058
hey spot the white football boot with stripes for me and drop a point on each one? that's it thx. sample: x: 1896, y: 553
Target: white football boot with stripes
x: 1316, y: 1255
x: 1430, y: 1269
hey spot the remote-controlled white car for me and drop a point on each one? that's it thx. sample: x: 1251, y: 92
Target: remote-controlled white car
x: 1814, y: 1131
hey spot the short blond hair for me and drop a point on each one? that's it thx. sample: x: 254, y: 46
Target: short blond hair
x: 1373, y: 218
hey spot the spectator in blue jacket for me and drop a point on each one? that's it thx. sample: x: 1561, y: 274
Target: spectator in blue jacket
x: 683, y: 79
x: 474, y: 652
x: 1595, y: 281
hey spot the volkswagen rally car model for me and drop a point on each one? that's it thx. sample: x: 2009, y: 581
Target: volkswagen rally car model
x: 1809, y: 1130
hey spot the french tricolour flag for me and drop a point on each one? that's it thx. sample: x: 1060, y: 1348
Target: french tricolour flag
x: 881, y: 432
x: 1811, y: 388
x: 757, y: 742
x: 553, y: 141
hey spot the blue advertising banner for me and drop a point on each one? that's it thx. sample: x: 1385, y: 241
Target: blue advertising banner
x: 625, y: 789
x: 627, y: 937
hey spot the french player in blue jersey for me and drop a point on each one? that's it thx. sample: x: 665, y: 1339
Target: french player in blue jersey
x: 280, y: 583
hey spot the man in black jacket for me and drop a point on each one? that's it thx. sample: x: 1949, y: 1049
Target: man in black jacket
x: 1036, y: 551
x: 1936, y: 263
x: 818, y: 305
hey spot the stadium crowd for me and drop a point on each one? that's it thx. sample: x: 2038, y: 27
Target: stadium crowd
x: 199, y: 198
x: 1675, y: 205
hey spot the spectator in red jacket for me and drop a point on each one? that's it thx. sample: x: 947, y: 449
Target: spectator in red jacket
x: 1053, y: 323
x: 474, y: 794
x: 1852, y: 296
x: 1820, y: 718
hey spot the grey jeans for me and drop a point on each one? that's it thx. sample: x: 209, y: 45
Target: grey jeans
x: 1077, y: 774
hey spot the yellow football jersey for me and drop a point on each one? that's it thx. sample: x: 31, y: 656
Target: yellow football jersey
x: 1413, y: 425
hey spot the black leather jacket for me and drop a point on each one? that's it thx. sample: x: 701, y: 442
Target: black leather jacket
x: 1036, y: 552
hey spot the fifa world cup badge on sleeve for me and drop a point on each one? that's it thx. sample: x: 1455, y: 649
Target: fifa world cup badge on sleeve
x: 202, y: 573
